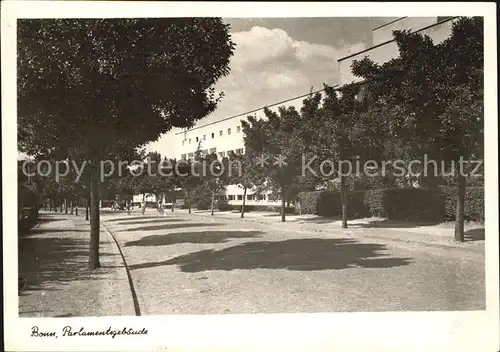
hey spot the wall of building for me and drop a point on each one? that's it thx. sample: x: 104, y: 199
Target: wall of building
x: 388, y: 51
x: 223, y: 140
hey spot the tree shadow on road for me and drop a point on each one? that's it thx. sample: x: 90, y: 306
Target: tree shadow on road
x: 475, y: 235
x: 387, y: 224
x: 171, y: 226
x: 294, y: 254
x: 147, y: 221
x: 192, y: 237
x: 48, y: 262
x: 133, y: 218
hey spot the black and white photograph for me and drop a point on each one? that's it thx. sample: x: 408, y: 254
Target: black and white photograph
x: 245, y: 168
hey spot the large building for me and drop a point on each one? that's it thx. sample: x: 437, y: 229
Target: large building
x: 384, y: 48
x: 226, y: 135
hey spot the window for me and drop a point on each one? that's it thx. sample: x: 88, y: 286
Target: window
x: 190, y: 155
x: 183, y: 141
x: 240, y: 197
x: 222, y: 197
x: 189, y: 140
x: 222, y: 154
x: 228, y: 131
x: 230, y: 197
x: 251, y: 197
x: 238, y: 129
x: 261, y: 197
x: 239, y: 151
x: 220, y: 133
x: 213, y: 150
x: 197, y: 139
x: 204, y: 152
x: 213, y: 135
x: 204, y: 137
x: 183, y: 156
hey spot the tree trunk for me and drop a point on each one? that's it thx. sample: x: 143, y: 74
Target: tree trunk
x: 62, y: 207
x: 213, y: 203
x: 87, y: 205
x: 459, y: 216
x: 76, y: 210
x: 94, y: 216
x: 189, y: 201
x: 244, y: 201
x: 72, y: 209
x: 173, y: 200
x: 343, y: 200
x: 65, y: 205
x: 283, y: 204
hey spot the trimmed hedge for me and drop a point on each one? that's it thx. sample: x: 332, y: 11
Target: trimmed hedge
x: 474, y: 203
x: 425, y: 204
x: 222, y: 206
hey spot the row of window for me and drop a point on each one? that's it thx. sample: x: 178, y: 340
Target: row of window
x: 240, y: 197
x: 204, y: 137
x: 190, y: 156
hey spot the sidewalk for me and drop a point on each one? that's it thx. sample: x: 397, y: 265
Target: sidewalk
x: 440, y: 235
x: 53, y: 259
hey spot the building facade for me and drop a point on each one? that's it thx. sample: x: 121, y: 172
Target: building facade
x: 384, y: 47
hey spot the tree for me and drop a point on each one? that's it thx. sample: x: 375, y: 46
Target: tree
x: 216, y: 176
x: 244, y: 174
x: 91, y: 88
x: 274, y: 144
x: 439, y: 87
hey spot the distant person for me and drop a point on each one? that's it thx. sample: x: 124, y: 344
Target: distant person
x: 143, y: 210
x: 128, y: 207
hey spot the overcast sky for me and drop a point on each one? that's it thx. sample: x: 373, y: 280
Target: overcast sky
x: 279, y: 58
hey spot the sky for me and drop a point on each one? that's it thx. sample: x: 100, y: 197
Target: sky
x: 279, y: 58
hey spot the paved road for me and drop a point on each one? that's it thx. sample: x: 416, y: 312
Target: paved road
x: 190, y: 264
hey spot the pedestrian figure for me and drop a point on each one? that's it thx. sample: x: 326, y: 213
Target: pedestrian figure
x: 128, y: 207
x: 143, y: 207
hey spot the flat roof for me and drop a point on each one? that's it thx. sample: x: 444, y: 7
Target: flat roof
x: 254, y: 110
x: 388, y: 23
x: 389, y: 41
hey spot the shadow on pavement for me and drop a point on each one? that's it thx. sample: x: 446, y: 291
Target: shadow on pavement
x: 133, y: 218
x: 475, y: 235
x: 293, y: 254
x: 192, y: 237
x: 171, y: 226
x: 147, y: 221
x: 47, y: 218
x: 394, y: 224
x: 45, y: 263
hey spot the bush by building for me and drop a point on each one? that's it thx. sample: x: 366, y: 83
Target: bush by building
x: 425, y: 204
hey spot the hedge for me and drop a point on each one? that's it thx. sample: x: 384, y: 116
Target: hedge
x: 474, y: 203
x: 223, y: 206
x: 426, y: 204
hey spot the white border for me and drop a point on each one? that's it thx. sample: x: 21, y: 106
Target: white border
x: 410, y: 331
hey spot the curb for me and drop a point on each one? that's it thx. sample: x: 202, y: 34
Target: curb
x: 387, y: 238
x: 130, y: 302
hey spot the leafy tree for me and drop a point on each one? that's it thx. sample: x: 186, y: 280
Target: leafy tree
x: 439, y: 89
x: 92, y: 88
x: 244, y: 174
x: 216, y: 176
x: 276, y: 147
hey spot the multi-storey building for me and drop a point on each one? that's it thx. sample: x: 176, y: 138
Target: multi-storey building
x: 384, y: 48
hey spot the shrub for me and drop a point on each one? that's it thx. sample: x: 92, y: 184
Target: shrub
x: 203, y: 203
x: 308, y: 202
x: 224, y: 206
x: 474, y: 203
